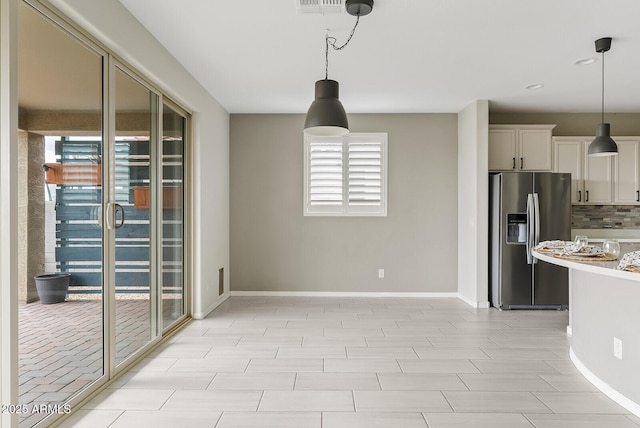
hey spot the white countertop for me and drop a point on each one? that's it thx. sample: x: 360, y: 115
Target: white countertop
x: 602, y: 268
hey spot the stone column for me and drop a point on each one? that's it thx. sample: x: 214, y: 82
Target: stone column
x: 31, y: 223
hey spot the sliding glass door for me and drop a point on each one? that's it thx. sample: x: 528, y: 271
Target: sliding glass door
x: 133, y: 197
x: 173, y: 254
x: 62, y: 242
x: 102, y: 205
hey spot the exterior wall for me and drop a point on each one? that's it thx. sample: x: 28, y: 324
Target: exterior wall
x: 275, y: 248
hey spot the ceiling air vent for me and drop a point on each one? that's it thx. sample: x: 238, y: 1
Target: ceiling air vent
x: 320, y: 6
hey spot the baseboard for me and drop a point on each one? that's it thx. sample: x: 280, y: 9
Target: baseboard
x: 474, y: 304
x: 203, y: 314
x: 339, y: 294
x: 628, y: 404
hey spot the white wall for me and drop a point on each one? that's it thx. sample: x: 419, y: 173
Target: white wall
x: 113, y: 25
x: 473, y: 202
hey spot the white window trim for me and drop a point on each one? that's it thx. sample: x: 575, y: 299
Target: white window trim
x: 345, y: 209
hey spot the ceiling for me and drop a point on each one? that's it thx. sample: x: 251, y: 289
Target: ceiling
x: 257, y: 56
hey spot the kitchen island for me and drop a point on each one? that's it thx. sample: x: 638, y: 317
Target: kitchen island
x: 604, y: 308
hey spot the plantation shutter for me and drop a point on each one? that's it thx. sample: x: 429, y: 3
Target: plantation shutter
x: 325, y: 180
x: 365, y: 172
x: 345, y: 175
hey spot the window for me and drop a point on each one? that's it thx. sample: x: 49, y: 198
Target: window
x: 345, y: 176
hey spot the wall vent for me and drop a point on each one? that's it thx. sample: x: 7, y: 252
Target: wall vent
x: 220, y: 281
x: 320, y: 6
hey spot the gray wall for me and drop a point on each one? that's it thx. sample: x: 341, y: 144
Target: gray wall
x: 275, y: 248
x: 574, y: 124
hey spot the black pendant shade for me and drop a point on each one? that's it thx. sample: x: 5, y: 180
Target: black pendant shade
x: 603, y: 144
x: 326, y: 115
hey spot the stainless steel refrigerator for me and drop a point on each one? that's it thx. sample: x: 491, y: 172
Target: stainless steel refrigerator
x: 526, y: 208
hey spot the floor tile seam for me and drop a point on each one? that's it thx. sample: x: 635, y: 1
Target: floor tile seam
x: 555, y: 389
x: 463, y: 382
x: 630, y: 417
x: 116, y: 419
x: 260, y: 400
x: 453, y: 410
x: 543, y: 403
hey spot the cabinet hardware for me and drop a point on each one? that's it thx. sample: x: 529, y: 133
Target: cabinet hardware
x: 637, y: 195
x: 514, y: 163
x: 586, y: 194
x: 579, y: 195
x: 521, y: 163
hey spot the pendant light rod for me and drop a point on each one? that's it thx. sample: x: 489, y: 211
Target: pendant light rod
x: 603, y: 45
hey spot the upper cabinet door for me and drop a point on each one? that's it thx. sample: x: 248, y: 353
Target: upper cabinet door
x: 568, y: 157
x: 598, y: 183
x: 502, y: 149
x: 534, y: 148
x: 627, y: 173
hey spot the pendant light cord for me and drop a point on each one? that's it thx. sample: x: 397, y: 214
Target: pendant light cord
x: 332, y: 41
x: 602, y: 87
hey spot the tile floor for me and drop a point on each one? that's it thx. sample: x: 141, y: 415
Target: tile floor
x: 61, y: 346
x: 350, y: 362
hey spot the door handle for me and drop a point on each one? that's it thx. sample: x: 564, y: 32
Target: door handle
x: 119, y: 207
x: 111, y: 210
x: 530, y: 227
x: 579, y: 195
x: 637, y: 195
x: 586, y: 193
x: 514, y: 163
x: 521, y: 163
x: 536, y: 224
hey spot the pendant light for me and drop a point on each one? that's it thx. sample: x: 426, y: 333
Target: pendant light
x: 603, y: 145
x: 326, y: 115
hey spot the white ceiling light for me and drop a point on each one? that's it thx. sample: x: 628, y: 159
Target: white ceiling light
x: 534, y: 86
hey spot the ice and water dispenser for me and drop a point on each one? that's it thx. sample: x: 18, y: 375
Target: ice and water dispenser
x: 517, y: 228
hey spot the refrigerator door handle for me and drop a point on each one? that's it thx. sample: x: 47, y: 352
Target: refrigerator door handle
x: 536, y: 223
x: 530, y: 226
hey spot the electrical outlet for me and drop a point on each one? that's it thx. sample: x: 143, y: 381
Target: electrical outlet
x: 617, y: 348
x: 380, y: 273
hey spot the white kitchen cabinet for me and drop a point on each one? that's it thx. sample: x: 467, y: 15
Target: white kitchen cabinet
x: 598, y: 178
x: 568, y: 157
x: 502, y: 149
x: 520, y: 147
x: 626, y: 170
x: 591, y: 176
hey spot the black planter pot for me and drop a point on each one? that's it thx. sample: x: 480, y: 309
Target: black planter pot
x: 52, y: 287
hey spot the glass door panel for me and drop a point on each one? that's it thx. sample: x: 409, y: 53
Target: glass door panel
x: 173, y: 296
x: 136, y: 121
x: 60, y: 151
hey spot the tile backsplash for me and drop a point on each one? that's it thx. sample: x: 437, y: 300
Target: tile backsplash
x: 605, y: 217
